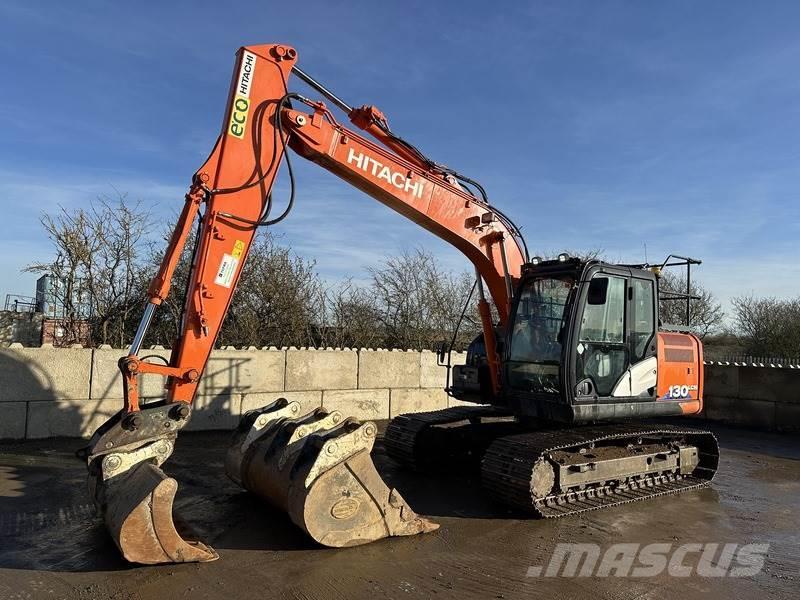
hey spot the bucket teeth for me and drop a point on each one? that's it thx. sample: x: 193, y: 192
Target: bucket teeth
x: 256, y: 424
x: 137, y: 508
x: 318, y: 468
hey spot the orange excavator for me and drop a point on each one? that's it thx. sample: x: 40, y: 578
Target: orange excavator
x: 554, y: 391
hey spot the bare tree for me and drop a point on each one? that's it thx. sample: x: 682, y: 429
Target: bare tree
x: 275, y: 300
x: 418, y: 302
x: 349, y: 317
x: 705, y: 313
x: 114, y: 270
x: 768, y: 326
x: 103, y: 270
x: 96, y: 267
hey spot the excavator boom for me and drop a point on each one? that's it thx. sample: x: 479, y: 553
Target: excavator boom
x: 234, y: 189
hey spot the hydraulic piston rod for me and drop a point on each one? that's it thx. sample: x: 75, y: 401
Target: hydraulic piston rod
x: 322, y: 89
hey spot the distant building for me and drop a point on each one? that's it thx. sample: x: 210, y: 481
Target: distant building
x: 51, y: 298
x: 45, y: 319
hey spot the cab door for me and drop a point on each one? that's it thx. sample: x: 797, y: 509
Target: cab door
x: 642, y: 325
x: 602, y: 349
x: 615, y: 345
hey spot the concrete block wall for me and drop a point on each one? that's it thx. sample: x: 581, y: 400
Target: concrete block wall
x: 753, y: 395
x: 46, y: 392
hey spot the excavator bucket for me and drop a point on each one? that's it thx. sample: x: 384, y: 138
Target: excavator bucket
x: 317, y: 467
x: 137, y: 510
x: 133, y: 494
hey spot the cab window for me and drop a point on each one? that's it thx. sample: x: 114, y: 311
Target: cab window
x: 602, y: 353
x: 604, y: 316
x: 643, y: 321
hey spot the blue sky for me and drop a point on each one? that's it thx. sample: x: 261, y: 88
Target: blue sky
x: 614, y: 125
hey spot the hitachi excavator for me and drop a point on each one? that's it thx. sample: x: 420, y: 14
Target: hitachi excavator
x: 553, y: 393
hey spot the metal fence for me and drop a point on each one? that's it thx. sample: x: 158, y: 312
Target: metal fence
x: 748, y: 359
x: 16, y: 303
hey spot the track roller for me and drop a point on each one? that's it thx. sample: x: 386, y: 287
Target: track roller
x: 317, y: 467
x: 559, y: 472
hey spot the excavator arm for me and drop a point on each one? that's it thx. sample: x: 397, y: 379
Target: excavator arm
x: 333, y: 492
x: 234, y: 187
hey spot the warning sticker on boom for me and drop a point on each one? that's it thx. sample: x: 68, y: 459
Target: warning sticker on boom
x: 229, y: 264
x: 238, y: 248
x: 226, y: 271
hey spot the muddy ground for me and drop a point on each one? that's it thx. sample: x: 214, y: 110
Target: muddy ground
x: 52, y: 546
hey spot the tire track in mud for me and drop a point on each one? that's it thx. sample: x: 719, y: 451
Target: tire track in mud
x: 14, y: 524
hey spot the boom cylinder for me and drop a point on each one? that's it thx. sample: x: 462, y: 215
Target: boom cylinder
x: 485, y: 312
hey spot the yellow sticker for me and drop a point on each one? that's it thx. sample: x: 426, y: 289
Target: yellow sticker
x: 238, y: 124
x: 238, y: 249
x: 241, y: 101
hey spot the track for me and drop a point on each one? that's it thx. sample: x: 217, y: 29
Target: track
x: 508, y: 465
x: 508, y: 456
x: 446, y: 438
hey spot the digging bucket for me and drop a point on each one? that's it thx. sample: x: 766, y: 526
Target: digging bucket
x: 137, y: 509
x: 317, y: 467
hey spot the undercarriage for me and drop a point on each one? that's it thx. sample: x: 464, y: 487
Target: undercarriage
x: 555, y: 471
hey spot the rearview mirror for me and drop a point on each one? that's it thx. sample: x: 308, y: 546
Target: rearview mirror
x: 441, y: 353
x: 598, y: 289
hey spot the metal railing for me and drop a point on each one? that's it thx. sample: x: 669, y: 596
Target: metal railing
x: 16, y: 303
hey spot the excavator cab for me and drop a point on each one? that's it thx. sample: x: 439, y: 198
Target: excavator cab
x: 583, y: 345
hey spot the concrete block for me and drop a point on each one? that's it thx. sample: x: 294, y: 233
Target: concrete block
x: 361, y: 404
x: 220, y: 411
x: 768, y: 383
x: 107, y: 380
x: 750, y: 413
x: 12, y: 420
x: 69, y: 418
x: 431, y: 374
x: 721, y: 381
x: 308, y: 400
x: 321, y: 370
x: 378, y: 369
x: 33, y: 374
x: 787, y: 416
x: 411, y: 400
x: 243, y: 371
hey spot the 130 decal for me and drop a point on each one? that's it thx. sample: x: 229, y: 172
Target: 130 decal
x: 678, y: 392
